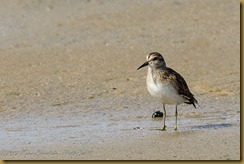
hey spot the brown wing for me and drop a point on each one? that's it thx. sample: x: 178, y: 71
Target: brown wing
x: 180, y: 85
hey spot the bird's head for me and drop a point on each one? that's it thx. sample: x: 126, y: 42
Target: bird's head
x: 154, y: 60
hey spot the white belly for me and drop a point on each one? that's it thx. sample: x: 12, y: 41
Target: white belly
x: 165, y: 92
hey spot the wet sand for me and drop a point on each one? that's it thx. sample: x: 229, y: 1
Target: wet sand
x: 69, y: 88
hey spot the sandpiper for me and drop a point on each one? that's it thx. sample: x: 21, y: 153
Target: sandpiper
x: 166, y: 84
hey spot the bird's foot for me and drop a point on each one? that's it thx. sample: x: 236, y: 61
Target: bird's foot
x: 175, y: 128
x: 163, y: 128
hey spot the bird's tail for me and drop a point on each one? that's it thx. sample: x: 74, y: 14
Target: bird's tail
x: 192, y: 101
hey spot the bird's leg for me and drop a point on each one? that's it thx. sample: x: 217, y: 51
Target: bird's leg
x: 176, y: 114
x: 164, y: 116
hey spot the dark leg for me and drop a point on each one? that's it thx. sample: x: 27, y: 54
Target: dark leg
x: 176, y: 114
x: 164, y: 117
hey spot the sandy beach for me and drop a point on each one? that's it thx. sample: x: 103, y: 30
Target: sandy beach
x: 69, y: 88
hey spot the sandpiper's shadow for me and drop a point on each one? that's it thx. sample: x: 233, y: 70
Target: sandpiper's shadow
x: 200, y: 127
x: 211, y: 126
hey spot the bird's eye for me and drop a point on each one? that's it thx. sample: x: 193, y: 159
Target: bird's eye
x: 156, y: 58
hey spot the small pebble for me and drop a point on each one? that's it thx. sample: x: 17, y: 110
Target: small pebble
x: 138, y: 128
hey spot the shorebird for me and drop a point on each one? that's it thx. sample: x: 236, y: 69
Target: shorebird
x: 166, y: 85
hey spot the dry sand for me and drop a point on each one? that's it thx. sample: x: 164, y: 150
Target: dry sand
x: 69, y: 88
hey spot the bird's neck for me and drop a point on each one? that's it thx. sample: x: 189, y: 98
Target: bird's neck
x: 157, y: 69
x: 155, y: 73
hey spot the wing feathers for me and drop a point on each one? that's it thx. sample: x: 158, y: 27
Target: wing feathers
x: 181, y: 87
